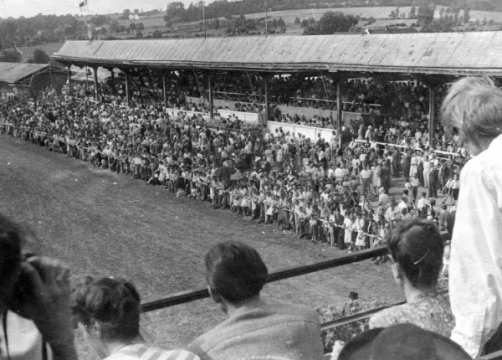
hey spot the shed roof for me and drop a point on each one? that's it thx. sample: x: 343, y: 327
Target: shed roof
x: 12, y: 73
x: 468, y: 53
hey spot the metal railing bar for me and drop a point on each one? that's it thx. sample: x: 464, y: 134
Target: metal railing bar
x: 192, y: 295
x: 493, y: 356
x: 355, y: 317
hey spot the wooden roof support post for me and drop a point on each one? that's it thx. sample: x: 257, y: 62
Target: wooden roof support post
x: 338, y: 79
x: 210, y: 95
x: 432, y: 83
x: 96, y: 90
x: 127, y: 95
x: 432, y: 114
x: 266, y: 78
x: 68, y: 78
x: 164, y: 89
x: 112, y: 79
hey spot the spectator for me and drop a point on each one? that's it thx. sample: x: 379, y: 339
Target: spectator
x: 473, y: 109
x: 109, y: 311
x: 34, y: 301
x: 400, y: 342
x: 254, y: 328
x: 416, y: 251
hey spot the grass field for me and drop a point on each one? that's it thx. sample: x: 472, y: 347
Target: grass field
x: 105, y: 224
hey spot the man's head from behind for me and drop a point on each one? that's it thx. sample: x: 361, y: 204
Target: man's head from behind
x: 235, y: 273
x: 402, y: 342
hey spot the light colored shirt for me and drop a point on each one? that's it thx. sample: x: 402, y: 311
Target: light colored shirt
x: 145, y: 352
x: 264, y: 331
x: 431, y: 313
x: 476, y: 251
x: 25, y: 341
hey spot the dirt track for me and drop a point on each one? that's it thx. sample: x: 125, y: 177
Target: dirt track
x: 106, y: 224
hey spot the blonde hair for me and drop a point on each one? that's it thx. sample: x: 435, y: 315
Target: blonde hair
x: 473, y: 106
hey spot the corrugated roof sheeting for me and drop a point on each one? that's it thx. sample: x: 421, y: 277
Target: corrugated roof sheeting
x: 11, y: 73
x: 427, y: 53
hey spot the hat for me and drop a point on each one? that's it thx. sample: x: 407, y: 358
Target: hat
x: 402, y: 342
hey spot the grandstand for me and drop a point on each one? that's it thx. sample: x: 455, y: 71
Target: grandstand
x: 431, y: 59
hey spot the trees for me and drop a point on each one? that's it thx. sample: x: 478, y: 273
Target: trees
x: 467, y: 15
x: 125, y: 14
x: 175, y: 11
x: 425, y: 14
x: 114, y: 27
x: 331, y: 22
x: 413, y: 12
x: 10, y: 55
x: 39, y: 57
x: 100, y: 20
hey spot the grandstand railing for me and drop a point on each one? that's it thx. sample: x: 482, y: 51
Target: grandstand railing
x: 189, y: 296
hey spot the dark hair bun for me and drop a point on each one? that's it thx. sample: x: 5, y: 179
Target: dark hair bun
x: 417, y: 246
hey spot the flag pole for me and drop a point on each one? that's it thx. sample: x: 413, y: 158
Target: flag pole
x: 204, y: 19
x: 266, y: 18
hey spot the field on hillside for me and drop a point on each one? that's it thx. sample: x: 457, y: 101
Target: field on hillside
x: 105, y: 224
x: 289, y: 16
x: 380, y: 13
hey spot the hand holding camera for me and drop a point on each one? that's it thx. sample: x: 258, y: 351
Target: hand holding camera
x: 42, y: 294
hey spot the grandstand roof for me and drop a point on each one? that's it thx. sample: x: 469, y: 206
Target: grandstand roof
x: 468, y: 53
x: 12, y: 73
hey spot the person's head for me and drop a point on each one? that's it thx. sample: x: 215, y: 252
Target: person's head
x: 402, y: 342
x: 235, y: 273
x: 473, y: 109
x: 416, y: 249
x: 11, y: 241
x: 109, y: 310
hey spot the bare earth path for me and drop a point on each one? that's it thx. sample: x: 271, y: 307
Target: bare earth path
x: 106, y: 224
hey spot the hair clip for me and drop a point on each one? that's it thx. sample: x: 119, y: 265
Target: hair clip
x: 422, y: 258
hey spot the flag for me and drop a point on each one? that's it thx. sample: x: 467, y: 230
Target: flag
x: 82, y: 4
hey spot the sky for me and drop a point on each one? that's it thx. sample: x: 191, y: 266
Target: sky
x: 28, y: 8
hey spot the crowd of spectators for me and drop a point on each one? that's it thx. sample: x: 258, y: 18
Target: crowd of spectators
x: 317, y: 190
x: 398, y: 110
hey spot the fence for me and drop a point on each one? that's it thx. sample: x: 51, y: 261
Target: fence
x: 187, y: 296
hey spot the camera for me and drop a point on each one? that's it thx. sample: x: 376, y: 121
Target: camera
x: 23, y: 289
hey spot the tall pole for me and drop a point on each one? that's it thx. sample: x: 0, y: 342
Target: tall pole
x: 339, y: 112
x: 266, y: 18
x: 204, y: 19
x: 432, y: 114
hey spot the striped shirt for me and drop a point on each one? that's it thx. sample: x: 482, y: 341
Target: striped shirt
x: 145, y: 352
